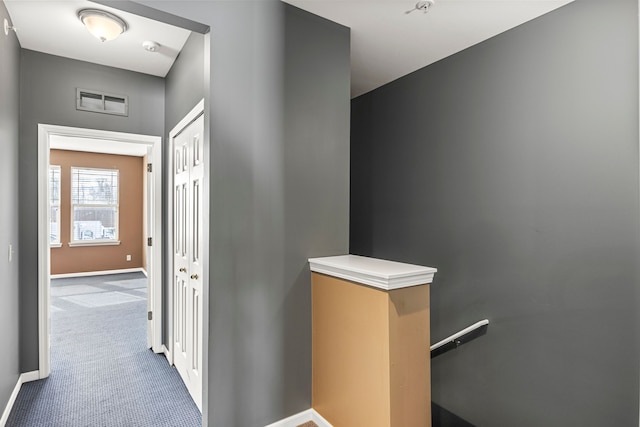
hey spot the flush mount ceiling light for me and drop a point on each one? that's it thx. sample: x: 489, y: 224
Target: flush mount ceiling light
x: 423, y: 5
x: 103, y: 25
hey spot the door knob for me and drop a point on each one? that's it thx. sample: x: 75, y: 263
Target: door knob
x: 183, y: 270
x: 194, y: 276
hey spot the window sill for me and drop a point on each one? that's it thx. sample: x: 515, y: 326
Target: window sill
x: 95, y: 243
x: 55, y: 245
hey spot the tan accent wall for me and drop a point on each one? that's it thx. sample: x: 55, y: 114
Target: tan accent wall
x: 99, y: 258
x: 371, y: 362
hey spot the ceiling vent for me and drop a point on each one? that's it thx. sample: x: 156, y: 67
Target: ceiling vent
x: 101, y: 102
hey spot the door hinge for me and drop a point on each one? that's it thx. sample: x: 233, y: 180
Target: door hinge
x: 149, y: 313
x: 149, y: 167
x: 149, y: 241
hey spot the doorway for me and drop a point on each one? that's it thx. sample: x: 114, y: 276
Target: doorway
x: 153, y: 220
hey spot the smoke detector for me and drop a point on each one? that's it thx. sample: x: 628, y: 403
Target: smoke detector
x: 423, y: 5
x: 8, y: 27
x: 151, y: 46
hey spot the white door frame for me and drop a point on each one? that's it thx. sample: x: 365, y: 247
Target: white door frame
x: 192, y: 115
x: 45, y: 131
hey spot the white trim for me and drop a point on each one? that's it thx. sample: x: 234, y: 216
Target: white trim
x: 191, y: 116
x: 30, y: 376
x: 319, y: 419
x: 301, y: 418
x: 55, y: 245
x: 206, y: 203
x: 98, y: 273
x: 155, y: 262
x: 23, y: 378
x: 100, y: 134
x: 167, y: 354
x: 45, y: 131
x: 94, y: 243
x: 44, y: 252
x: 382, y: 274
x: 11, y: 402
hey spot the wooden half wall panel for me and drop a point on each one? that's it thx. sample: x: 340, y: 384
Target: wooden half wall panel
x: 410, y: 361
x: 371, y: 364
x: 350, y: 338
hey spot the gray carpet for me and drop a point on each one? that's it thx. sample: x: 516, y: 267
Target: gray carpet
x: 102, y: 374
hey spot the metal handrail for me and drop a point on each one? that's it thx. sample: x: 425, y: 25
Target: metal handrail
x: 454, y: 338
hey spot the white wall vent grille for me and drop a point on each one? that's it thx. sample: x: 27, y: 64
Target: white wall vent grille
x: 100, y: 102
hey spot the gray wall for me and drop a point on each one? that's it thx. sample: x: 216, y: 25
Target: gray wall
x: 184, y: 88
x: 9, y: 101
x: 184, y: 84
x: 512, y: 167
x: 278, y: 100
x: 47, y: 95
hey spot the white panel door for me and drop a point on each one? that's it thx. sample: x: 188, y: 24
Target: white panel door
x: 187, y: 292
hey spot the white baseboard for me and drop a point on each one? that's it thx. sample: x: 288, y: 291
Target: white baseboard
x: 301, y: 418
x: 319, y: 419
x: 98, y: 273
x: 27, y: 377
x: 165, y: 350
x: 23, y: 378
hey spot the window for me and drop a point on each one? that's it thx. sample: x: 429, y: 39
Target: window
x: 54, y: 203
x: 94, y: 205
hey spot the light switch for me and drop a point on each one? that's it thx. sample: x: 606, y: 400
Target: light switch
x: 10, y: 252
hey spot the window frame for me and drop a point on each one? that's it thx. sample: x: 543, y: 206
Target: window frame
x: 57, y: 243
x: 73, y: 205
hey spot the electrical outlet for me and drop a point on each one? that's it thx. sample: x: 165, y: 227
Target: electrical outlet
x: 128, y: 257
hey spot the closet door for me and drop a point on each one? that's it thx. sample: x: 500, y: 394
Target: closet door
x: 187, y: 286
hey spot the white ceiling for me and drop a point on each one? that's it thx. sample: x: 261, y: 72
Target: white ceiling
x: 93, y: 145
x: 387, y: 43
x: 52, y: 26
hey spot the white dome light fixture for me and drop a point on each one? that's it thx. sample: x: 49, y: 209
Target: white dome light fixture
x: 103, y: 25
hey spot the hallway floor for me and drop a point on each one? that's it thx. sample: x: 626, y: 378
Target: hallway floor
x: 102, y: 374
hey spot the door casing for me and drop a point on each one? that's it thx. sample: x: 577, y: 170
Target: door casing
x: 154, y: 326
